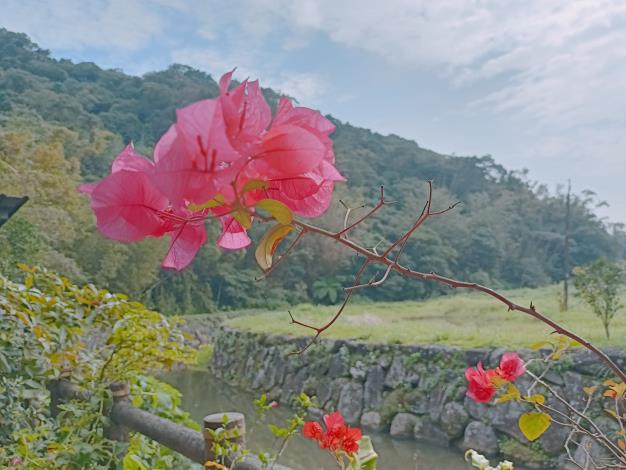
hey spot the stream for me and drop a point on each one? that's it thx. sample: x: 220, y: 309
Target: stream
x: 203, y: 395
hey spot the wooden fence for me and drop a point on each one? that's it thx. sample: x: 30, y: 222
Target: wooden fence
x: 125, y: 418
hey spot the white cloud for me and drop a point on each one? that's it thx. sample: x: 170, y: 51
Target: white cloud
x: 555, y: 68
x: 305, y: 87
x: 77, y: 24
x: 560, y: 58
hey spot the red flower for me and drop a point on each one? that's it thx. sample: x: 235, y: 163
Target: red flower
x: 312, y: 430
x: 480, y: 385
x: 511, y: 367
x: 337, y: 437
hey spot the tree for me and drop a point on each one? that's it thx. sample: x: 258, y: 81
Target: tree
x: 598, y: 284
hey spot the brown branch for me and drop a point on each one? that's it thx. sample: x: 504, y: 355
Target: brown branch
x: 381, y: 203
x: 320, y: 330
x: 372, y: 257
x: 512, y: 306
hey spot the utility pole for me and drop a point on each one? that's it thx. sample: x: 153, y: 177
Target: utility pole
x: 566, y: 260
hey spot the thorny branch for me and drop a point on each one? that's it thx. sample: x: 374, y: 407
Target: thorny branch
x: 389, y: 259
x: 372, y: 257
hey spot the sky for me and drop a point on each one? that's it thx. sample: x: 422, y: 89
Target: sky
x: 537, y: 84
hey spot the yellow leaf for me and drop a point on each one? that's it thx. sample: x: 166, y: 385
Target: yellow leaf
x: 269, y: 243
x: 25, y: 268
x: 56, y: 359
x: 621, y: 444
x: 512, y: 393
x: 539, y: 344
x: 557, y: 355
x: 277, y: 209
x: 243, y: 218
x: 537, y: 399
x: 590, y: 390
x: 215, y: 202
x: 498, y: 381
x: 534, y: 424
x: 251, y: 185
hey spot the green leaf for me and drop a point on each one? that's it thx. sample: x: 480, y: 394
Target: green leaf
x: 243, y: 218
x: 534, y: 424
x: 251, y: 185
x: 278, y: 432
x: 215, y: 202
x: 277, y: 209
x: 132, y: 462
x: 269, y: 243
x: 366, y: 456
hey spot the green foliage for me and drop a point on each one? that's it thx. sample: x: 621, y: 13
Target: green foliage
x: 598, y: 284
x: 462, y: 319
x: 50, y: 328
x: 285, y: 431
x: 532, y: 454
x: 62, y: 123
x: 327, y: 290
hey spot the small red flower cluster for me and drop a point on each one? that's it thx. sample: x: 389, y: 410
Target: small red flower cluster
x: 482, y: 383
x: 337, y: 437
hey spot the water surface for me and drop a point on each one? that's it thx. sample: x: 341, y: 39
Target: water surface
x: 203, y: 395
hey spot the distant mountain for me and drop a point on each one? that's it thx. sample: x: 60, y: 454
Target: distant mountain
x: 62, y: 123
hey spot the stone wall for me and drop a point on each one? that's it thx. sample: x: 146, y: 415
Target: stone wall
x: 412, y: 392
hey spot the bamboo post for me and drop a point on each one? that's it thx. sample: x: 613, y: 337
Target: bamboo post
x: 234, y: 425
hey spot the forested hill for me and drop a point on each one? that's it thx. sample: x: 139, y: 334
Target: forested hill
x: 62, y: 123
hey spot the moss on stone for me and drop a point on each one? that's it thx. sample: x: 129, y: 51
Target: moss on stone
x: 531, y: 454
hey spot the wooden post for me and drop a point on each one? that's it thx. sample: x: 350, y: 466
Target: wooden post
x: 117, y: 431
x: 235, y: 425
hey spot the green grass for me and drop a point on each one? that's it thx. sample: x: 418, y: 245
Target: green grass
x: 467, y: 320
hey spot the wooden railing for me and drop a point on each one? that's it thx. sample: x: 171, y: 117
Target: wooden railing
x: 126, y: 418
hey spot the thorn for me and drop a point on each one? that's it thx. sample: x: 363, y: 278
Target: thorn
x: 291, y: 316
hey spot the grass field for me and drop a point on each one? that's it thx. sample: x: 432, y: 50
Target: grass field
x: 468, y: 320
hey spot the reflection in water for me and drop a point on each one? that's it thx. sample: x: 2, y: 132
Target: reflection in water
x: 203, y: 395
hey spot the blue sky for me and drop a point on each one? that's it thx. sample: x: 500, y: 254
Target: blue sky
x: 538, y: 84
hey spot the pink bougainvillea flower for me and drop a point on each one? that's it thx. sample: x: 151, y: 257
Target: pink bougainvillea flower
x: 209, y: 154
x: 309, y: 195
x: 286, y: 113
x: 233, y: 236
x: 127, y: 206
x: 289, y: 150
x: 246, y: 113
x: 194, y: 158
x: 480, y: 385
x: 337, y: 437
x: 185, y: 242
x: 129, y: 160
x: 511, y: 367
